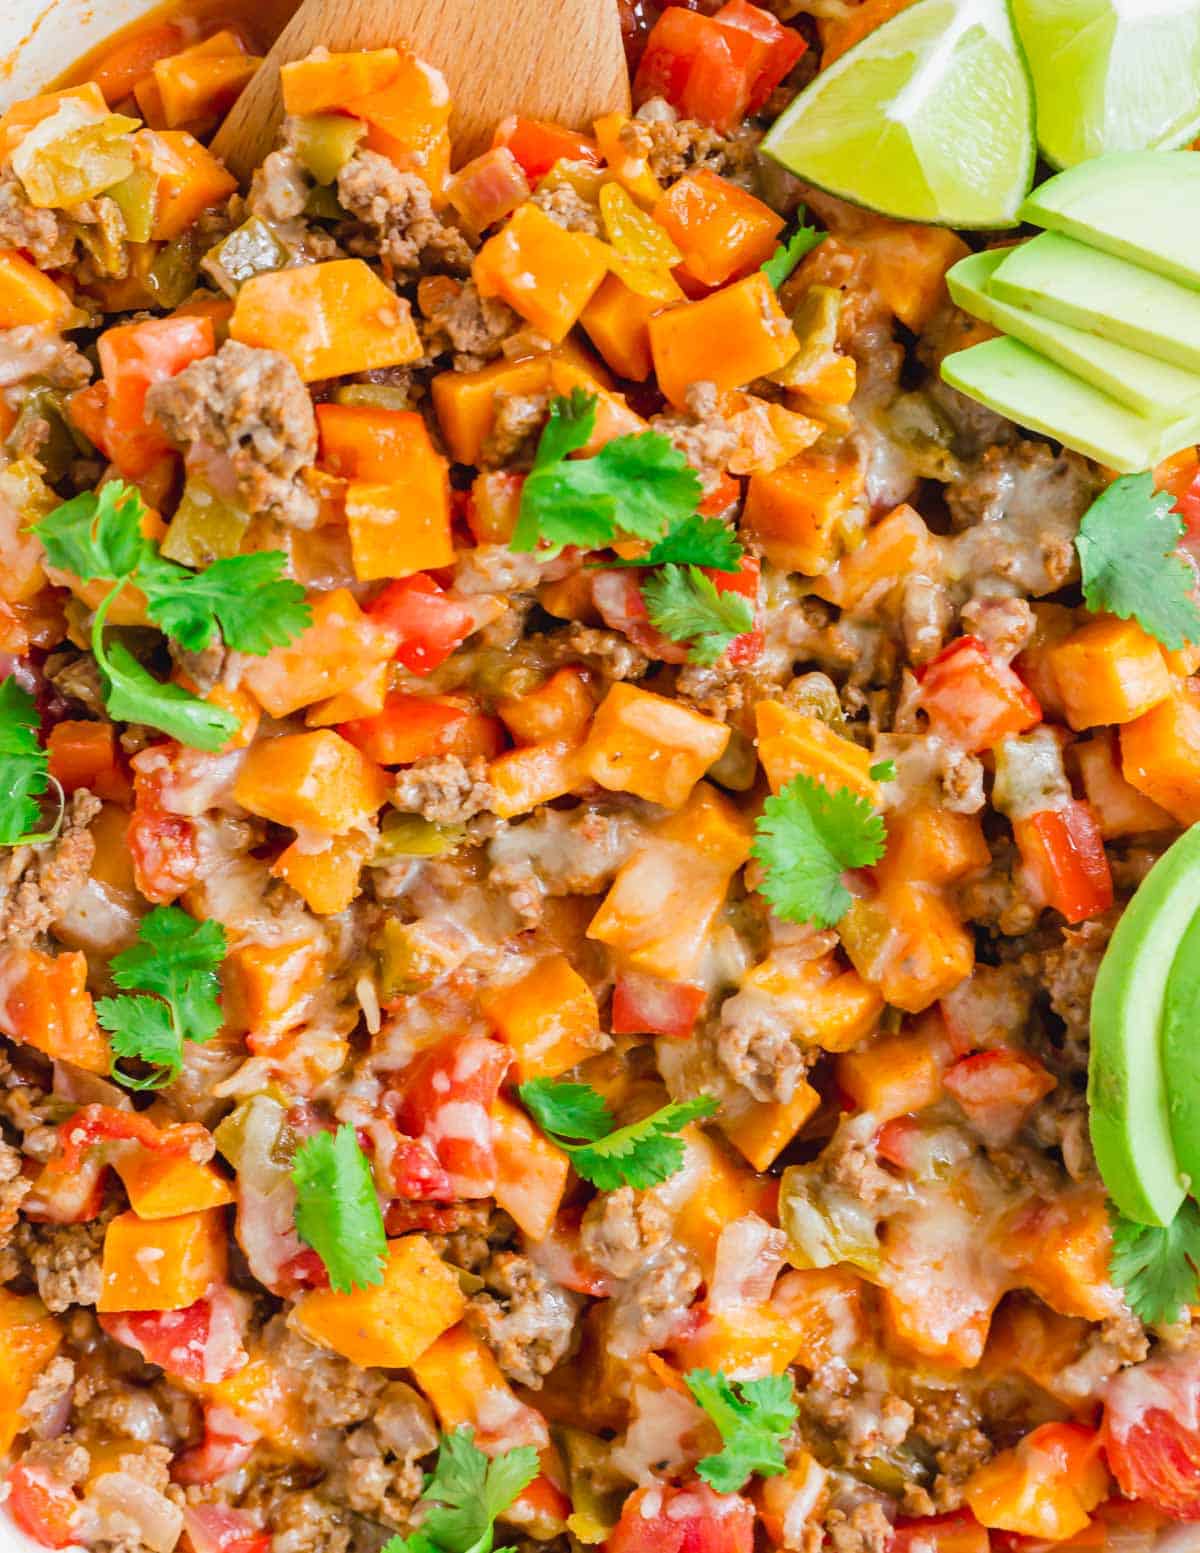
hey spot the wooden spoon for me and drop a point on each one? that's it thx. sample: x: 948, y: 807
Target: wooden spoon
x: 549, y: 59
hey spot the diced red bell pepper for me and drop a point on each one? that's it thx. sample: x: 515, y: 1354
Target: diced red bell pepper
x: 746, y: 648
x: 897, y: 1142
x: 163, y: 846
x: 647, y: 1005
x: 446, y: 1097
x: 973, y: 699
x: 538, y: 145
x: 995, y: 1086
x: 716, y: 69
x: 1062, y: 852
x: 132, y: 358
x: 413, y: 1172
x: 428, y: 624
x: 43, y: 1507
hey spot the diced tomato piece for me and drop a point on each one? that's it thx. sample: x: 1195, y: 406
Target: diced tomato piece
x: 216, y: 1528
x: 1152, y: 1441
x: 897, y: 1142
x: 997, y: 1088
x: 746, y: 648
x: 163, y: 846
x: 409, y: 728
x: 958, y: 1533
x: 412, y: 1170
x: 694, y: 1519
x: 781, y: 46
x: 1063, y: 854
x: 973, y: 699
x: 647, y: 1005
x: 538, y: 145
x: 42, y: 1507
x: 716, y: 69
x: 446, y: 1097
x: 721, y: 497
x: 618, y: 597
x: 202, y: 1342
x: 94, y: 1125
x: 133, y: 357
x: 428, y: 623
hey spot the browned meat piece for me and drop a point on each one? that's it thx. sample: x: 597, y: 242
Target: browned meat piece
x: 1068, y: 973
x: 399, y: 221
x: 334, y: 1391
x: 864, y: 1529
x: 372, y: 1481
x: 622, y: 1229
x: 243, y: 417
x: 46, y: 235
x: 29, y: 352
x: 652, y: 1303
x: 36, y: 884
x: 568, y: 209
x: 443, y: 789
x: 756, y: 1048
x: 612, y: 654
x: 474, y: 327
x: 14, y: 1188
x: 302, y: 1521
x: 65, y: 1259
x: 703, y: 434
x: 674, y: 146
x: 946, y: 1427
x: 531, y: 1325
x: 515, y: 430
x: 279, y: 188
x: 43, y: 1406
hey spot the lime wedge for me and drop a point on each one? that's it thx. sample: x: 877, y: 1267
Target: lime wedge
x: 929, y: 118
x: 1112, y: 75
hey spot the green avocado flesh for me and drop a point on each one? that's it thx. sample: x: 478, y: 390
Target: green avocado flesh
x: 1127, y: 1084
x: 1074, y: 284
x: 1181, y: 1051
x: 1152, y: 388
x: 1036, y: 392
x: 1143, y: 206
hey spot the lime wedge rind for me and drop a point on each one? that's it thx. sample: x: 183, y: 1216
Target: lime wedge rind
x: 929, y: 118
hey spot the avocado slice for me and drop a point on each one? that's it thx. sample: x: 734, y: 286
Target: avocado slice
x: 1152, y: 388
x: 1062, y: 279
x: 1139, y: 205
x: 1127, y: 1083
x: 1034, y: 391
x: 1181, y: 1050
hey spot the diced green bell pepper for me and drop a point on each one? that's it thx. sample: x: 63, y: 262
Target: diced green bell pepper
x: 205, y: 528
x: 325, y: 142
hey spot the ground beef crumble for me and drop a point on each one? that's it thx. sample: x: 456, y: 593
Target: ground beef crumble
x: 38, y: 883
x: 525, y: 1318
x: 399, y: 223
x: 65, y: 1259
x: 444, y: 789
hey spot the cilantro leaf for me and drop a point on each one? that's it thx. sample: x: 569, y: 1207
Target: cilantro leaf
x: 1126, y: 544
x: 806, y: 837
x: 789, y: 252
x: 337, y: 1211
x: 639, y: 1155
x: 24, y: 767
x: 685, y: 604
x: 135, y: 696
x: 174, y: 965
x: 574, y: 1110
x: 418, y: 1542
x: 636, y: 485
x: 245, y: 597
x: 1159, y: 1269
x: 98, y: 534
x: 467, y: 1491
x: 696, y: 541
x: 752, y: 1426
x: 882, y: 771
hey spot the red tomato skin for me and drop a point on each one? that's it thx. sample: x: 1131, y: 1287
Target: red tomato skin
x: 693, y: 1519
x: 428, y: 623
x: 1150, y: 1437
x: 646, y: 1005
x: 213, y: 1528
x: 446, y: 1098
x: 1063, y: 851
x: 43, y: 1509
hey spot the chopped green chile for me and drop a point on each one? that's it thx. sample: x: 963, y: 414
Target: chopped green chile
x: 825, y: 1226
x: 408, y: 835
x: 135, y: 197
x: 737, y: 769
x: 378, y: 396
x: 325, y: 142
x: 815, y: 321
x: 55, y: 452
x: 172, y: 276
x: 73, y: 156
x: 408, y: 960
x: 255, y: 1136
x: 322, y: 204
x: 250, y: 249
x: 596, y: 1511
x: 205, y: 528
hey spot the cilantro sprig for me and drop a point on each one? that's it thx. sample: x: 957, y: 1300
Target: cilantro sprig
x: 1159, y: 1269
x: 465, y: 1493
x: 806, y: 838
x: 697, y: 541
x: 337, y: 1210
x: 686, y: 605
x: 1127, y: 555
x: 172, y: 970
x: 579, y: 1121
x: 637, y: 486
x: 24, y: 769
x: 244, y: 600
x: 791, y: 250
x: 753, y: 1417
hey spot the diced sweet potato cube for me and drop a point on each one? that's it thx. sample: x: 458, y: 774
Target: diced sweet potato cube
x: 466, y: 402
x: 897, y: 546
x: 543, y: 272
x: 327, y: 81
x: 548, y: 1017
x: 1109, y: 671
x: 334, y: 654
x: 315, y: 781
x: 764, y: 1128
x: 401, y: 526
x: 934, y: 846
x: 388, y: 1324
x: 327, y: 880
x: 792, y: 743
x: 617, y: 321
x: 44, y: 1002
x: 730, y: 338
x: 909, y: 944
x: 162, y: 1264
x: 646, y: 744
x: 29, y: 297
x: 799, y: 512
x: 523, y: 778
x: 531, y: 1174
x: 163, y: 1186
x: 263, y: 984
x: 892, y: 1076
x: 1160, y: 754
x: 722, y: 231
x: 29, y: 1339
x: 561, y: 708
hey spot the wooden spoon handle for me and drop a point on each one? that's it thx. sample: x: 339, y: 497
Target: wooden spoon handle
x: 550, y: 59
